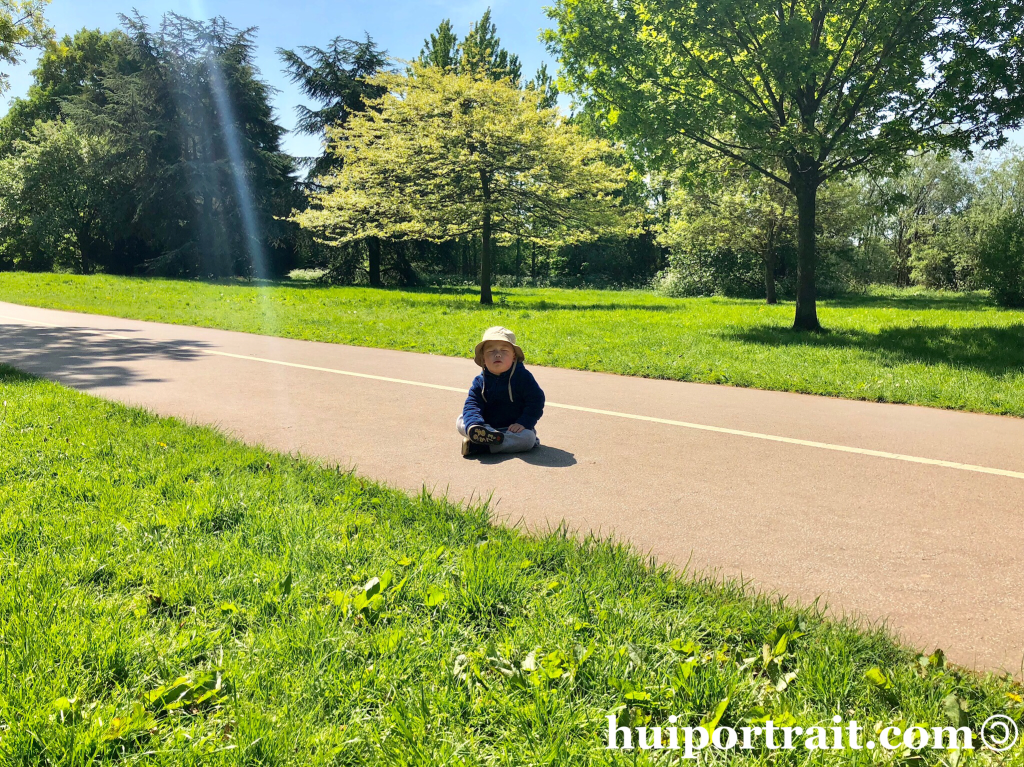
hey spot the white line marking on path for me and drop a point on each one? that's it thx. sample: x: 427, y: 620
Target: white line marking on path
x: 613, y: 413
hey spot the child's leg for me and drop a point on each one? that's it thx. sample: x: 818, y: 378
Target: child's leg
x: 516, y: 443
x: 461, y: 426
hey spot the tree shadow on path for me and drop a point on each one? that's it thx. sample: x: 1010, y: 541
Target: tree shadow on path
x: 85, y: 359
x: 993, y: 350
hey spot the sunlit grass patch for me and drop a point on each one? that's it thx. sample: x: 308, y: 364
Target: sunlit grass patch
x: 939, y: 349
x: 173, y: 597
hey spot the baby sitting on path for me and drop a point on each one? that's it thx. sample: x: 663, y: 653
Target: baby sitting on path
x: 504, y: 402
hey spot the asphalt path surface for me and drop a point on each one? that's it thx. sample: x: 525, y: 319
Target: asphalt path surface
x: 906, y: 515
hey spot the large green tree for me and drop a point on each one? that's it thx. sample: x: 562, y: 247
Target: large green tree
x: 444, y: 155
x: 66, y: 69
x: 185, y: 102
x: 59, y: 192
x: 816, y: 88
x: 191, y: 179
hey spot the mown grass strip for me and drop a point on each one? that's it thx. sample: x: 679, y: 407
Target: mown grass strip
x: 938, y: 349
x: 173, y: 597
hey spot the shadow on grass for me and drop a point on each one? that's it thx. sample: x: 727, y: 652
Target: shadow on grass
x: 543, y: 455
x: 995, y: 351
x: 552, y: 306
x: 959, y: 302
x: 85, y: 359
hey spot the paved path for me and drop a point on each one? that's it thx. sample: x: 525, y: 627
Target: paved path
x: 839, y: 509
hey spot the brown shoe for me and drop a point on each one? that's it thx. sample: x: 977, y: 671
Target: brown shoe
x: 470, y: 448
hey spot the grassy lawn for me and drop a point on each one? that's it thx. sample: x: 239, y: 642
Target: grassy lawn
x: 172, y: 597
x: 943, y: 350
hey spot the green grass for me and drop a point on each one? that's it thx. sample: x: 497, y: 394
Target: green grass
x: 942, y: 350
x: 168, y: 596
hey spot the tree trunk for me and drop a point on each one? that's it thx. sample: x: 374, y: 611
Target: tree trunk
x: 769, y: 277
x: 519, y: 259
x: 373, y: 251
x: 485, y: 243
x: 533, y: 263
x: 902, y: 256
x: 209, y: 260
x: 806, y: 184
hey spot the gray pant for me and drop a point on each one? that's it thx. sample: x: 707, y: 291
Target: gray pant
x: 513, y: 443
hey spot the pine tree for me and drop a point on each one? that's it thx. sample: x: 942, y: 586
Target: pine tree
x: 481, y: 53
x: 185, y: 109
x: 442, y: 48
x: 335, y: 77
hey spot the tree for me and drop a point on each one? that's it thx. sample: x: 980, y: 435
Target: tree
x: 180, y: 111
x: 66, y: 69
x: 996, y: 225
x: 193, y: 106
x: 480, y: 53
x: 919, y: 203
x: 58, y: 190
x: 819, y: 89
x: 545, y: 84
x: 445, y: 155
x: 337, y: 78
x: 441, y: 49
x: 722, y: 207
x: 22, y: 25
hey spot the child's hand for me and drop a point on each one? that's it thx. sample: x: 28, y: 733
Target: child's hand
x: 516, y: 428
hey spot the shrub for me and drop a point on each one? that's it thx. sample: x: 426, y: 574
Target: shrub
x: 1001, y: 257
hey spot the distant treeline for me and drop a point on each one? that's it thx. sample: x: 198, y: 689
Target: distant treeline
x: 156, y: 151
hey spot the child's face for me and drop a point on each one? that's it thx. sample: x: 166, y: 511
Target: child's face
x: 498, y: 356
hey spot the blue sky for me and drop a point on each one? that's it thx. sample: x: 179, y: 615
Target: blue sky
x: 399, y: 26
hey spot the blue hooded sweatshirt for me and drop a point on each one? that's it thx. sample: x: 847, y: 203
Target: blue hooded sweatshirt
x: 502, y: 400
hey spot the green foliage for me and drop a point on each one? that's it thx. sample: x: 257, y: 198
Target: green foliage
x: 546, y: 85
x: 193, y: 172
x: 1001, y: 257
x: 441, y: 49
x: 445, y: 155
x: 919, y: 207
x: 65, y: 70
x: 481, y: 54
x: 814, y: 83
x: 59, y: 191
x: 732, y: 232
x: 327, y: 620
x: 336, y: 77
x: 818, y: 90
x: 22, y: 25
x: 997, y: 220
x: 727, y: 232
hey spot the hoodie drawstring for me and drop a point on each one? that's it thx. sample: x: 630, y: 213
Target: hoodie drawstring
x: 483, y: 384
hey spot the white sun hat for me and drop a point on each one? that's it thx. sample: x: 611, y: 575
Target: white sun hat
x: 497, y: 333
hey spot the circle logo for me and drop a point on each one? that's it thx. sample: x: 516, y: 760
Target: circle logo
x: 999, y: 733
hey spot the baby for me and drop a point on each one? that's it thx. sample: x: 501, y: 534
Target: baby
x: 504, y: 402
